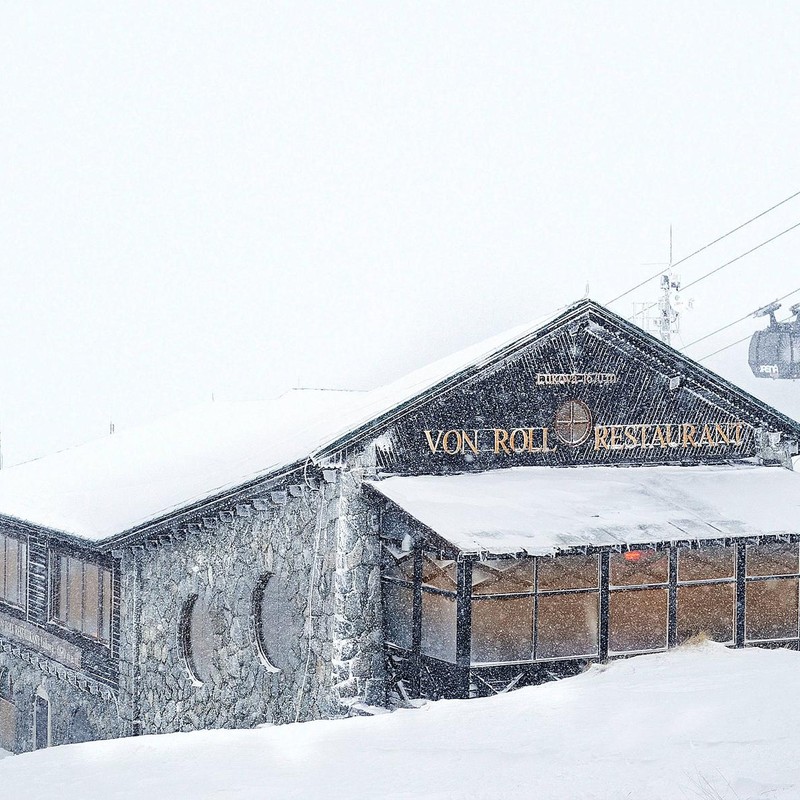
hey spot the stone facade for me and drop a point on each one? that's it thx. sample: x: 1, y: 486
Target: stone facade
x: 80, y: 709
x: 315, y: 547
x: 312, y: 549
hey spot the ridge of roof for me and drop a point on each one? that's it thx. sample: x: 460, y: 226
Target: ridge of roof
x: 343, y: 419
x: 477, y: 357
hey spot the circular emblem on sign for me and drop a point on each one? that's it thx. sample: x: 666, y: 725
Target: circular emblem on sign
x: 573, y: 422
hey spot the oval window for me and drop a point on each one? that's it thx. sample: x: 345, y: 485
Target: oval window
x: 277, y: 623
x: 198, y: 640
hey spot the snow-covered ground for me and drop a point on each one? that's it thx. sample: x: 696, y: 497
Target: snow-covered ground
x: 697, y: 722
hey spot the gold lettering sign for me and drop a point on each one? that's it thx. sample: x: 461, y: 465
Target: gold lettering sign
x: 684, y: 435
x: 572, y: 378
x: 691, y: 436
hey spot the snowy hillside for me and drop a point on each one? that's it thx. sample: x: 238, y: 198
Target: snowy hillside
x: 698, y: 722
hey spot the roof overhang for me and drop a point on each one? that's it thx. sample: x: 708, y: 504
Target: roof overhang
x: 544, y: 510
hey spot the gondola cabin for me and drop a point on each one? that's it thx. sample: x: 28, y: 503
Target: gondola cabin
x: 775, y: 351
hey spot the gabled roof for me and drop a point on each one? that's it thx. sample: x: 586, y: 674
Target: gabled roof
x: 127, y: 482
x: 386, y: 404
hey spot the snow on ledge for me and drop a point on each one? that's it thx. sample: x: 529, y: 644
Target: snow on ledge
x: 540, y: 510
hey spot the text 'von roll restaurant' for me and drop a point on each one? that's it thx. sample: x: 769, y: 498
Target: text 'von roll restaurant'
x: 561, y: 495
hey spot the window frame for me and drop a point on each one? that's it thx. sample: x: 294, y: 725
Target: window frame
x: 22, y: 570
x: 106, y: 581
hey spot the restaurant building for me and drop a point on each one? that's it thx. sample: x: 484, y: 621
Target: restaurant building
x: 564, y: 494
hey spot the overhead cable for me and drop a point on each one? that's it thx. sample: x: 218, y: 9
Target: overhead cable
x: 728, y: 263
x: 704, y: 247
x: 733, y: 344
x: 736, y: 322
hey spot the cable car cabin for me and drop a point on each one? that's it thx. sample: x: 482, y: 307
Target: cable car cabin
x: 775, y: 351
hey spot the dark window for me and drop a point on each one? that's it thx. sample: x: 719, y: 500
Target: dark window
x: 198, y: 640
x: 82, y: 596
x: 638, y: 567
x: 13, y: 570
x: 772, y: 559
x: 398, y: 599
x: 706, y: 597
x: 637, y: 620
x: 502, y: 629
x: 705, y: 564
x: 8, y: 712
x: 567, y: 572
x: 707, y: 609
x: 278, y: 619
x: 439, y: 625
x: 771, y: 609
x: 567, y: 625
x: 771, y: 599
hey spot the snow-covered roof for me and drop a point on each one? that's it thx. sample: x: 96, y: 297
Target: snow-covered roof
x: 541, y: 510
x: 119, y: 483
x: 113, y: 484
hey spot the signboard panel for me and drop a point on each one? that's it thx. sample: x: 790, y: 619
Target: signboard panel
x: 29, y: 636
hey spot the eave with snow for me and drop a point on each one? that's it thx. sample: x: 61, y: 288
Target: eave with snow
x: 548, y: 498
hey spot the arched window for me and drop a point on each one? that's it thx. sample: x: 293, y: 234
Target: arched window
x: 6, y: 688
x: 277, y: 623
x: 8, y: 712
x: 197, y: 639
x: 41, y: 719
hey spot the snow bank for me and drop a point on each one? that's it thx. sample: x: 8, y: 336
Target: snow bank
x: 696, y: 722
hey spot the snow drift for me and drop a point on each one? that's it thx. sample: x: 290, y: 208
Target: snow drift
x: 701, y: 721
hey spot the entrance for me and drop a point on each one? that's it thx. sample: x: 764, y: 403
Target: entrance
x: 41, y: 720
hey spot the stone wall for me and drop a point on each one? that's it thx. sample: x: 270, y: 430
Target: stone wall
x: 76, y: 714
x: 222, y: 566
x: 358, y: 627
x: 320, y: 549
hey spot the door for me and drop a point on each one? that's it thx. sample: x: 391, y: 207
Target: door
x: 41, y: 722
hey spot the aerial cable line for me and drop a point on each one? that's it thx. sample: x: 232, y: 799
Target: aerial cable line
x: 736, y: 322
x: 733, y: 344
x: 728, y: 263
x: 734, y: 260
x: 704, y: 247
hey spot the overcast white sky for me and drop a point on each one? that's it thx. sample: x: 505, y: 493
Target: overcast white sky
x: 240, y: 198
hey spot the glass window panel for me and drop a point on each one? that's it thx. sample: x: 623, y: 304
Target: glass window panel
x: 567, y: 625
x: 707, y: 609
x: 8, y: 725
x: 439, y: 626
x: 771, y: 609
x: 398, y: 603
x: 502, y: 629
x: 637, y: 620
x: 23, y: 573
x: 772, y: 559
x: 105, y: 631
x: 440, y: 574
x: 502, y: 576
x: 2, y: 566
x: 397, y: 564
x: 74, y: 593
x: 61, y: 610
x: 705, y: 564
x: 91, y: 600
x: 638, y: 567
x: 567, y: 572
x: 12, y: 576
